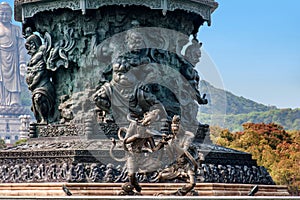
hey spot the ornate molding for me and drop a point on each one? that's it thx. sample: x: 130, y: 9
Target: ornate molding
x: 153, y: 4
x: 50, y: 169
x: 29, y: 8
x: 61, y: 130
x: 201, y: 9
x: 14, y: 110
x: 35, y: 154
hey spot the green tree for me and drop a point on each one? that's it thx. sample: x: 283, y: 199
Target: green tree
x: 21, y: 141
x: 2, y: 144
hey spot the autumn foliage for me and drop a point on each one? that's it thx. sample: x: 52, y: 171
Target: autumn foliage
x: 273, y: 147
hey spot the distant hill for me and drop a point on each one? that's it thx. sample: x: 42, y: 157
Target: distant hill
x: 221, y: 101
x: 230, y: 111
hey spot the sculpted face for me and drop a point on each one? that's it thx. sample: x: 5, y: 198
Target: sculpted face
x: 32, y: 44
x: 195, y: 57
x: 5, y: 13
x: 193, y: 53
x: 134, y: 41
x: 123, y: 75
x: 31, y: 47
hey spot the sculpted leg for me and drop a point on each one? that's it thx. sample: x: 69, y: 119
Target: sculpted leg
x: 189, y: 186
x: 132, y: 169
x: 133, y: 180
x: 41, y: 108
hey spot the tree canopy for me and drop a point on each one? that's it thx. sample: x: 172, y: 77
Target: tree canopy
x: 273, y: 147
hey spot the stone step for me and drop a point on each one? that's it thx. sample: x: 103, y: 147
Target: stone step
x: 148, y: 189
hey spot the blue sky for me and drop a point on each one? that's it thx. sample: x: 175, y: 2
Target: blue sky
x: 255, y: 46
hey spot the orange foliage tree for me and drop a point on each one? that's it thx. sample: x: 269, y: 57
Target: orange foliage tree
x: 273, y: 147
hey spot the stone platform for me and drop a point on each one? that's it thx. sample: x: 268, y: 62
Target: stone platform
x: 75, y: 159
x: 149, y: 189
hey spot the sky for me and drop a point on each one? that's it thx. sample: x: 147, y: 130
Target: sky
x: 254, y: 46
x: 252, y: 49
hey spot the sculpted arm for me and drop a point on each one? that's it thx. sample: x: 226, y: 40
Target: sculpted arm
x: 102, y: 100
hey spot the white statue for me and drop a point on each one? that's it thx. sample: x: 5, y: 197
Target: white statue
x: 12, y: 58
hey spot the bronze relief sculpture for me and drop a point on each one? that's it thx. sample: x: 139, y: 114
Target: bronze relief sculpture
x: 126, y: 70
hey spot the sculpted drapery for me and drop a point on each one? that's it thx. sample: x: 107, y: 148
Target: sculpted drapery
x: 12, y: 57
